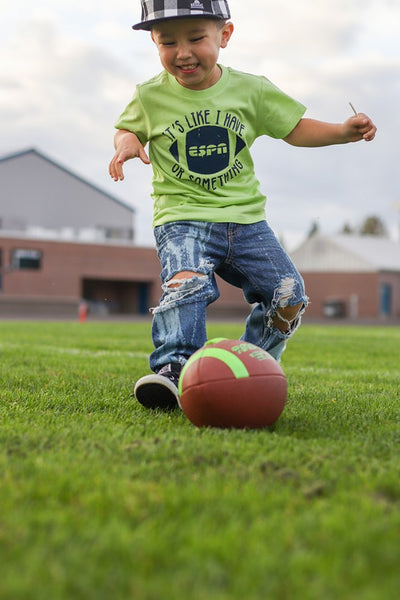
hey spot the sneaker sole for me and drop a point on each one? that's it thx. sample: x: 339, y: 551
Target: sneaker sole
x: 156, y: 391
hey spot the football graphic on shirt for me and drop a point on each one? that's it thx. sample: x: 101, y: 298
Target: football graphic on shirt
x: 208, y: 149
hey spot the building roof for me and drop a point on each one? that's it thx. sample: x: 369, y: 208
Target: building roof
x: 37, y: 192
x: 41, y: 155
x: 347, y: 253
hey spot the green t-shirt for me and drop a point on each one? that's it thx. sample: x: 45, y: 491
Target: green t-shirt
x: 200, y: 140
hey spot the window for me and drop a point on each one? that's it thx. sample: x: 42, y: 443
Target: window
x: 26, y: 259
x: 386, y: 299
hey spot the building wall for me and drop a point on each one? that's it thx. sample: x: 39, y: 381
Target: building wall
x: 358, y: 293
x: 115, y: 278
x: 66, y: 266
x: 393, y: 281
x: 126, y: 279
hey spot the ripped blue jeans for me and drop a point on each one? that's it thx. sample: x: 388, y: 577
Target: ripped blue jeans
x: 246, y: 256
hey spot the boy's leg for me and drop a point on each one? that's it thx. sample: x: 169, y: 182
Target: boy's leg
x: 269, y: 279
x: 179, y: 322
x: 262, y: 331
x: 277, y: 316
x: 188, y: 282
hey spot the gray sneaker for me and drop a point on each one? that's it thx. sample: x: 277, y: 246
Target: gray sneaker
x: 159, y: 390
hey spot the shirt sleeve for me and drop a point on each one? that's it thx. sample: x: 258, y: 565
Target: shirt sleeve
x: 134, y: 118
x: 278, y: 114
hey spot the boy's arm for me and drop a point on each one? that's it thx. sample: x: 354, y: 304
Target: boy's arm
x: 311, y: 133
x: 127, y: 145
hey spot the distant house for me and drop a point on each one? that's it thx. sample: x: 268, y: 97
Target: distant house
x: 64, y: 241
x: 52, y: 278
x: 350, y: 277
x: 39, y: 197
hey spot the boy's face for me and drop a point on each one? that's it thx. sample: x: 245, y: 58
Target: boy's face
x: 189, y: 49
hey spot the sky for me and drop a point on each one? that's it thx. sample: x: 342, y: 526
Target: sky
x: 69, y: 68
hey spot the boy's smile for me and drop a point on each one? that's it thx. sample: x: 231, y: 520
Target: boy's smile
x: 189, y: 49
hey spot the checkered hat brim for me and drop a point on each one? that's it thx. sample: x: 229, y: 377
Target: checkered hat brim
x: 159, y: 10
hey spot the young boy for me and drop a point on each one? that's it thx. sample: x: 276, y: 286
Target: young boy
x: 200, y: 120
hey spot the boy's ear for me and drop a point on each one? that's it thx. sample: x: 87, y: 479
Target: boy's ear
x: 226, y: 34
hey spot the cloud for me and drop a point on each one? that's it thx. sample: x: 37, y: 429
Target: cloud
x: 62, y: 91
x: 69, y: 68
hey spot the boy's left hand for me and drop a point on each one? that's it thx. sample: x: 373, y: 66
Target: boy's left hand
x: 359, y: 127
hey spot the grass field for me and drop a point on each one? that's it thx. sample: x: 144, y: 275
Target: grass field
x: 101, y: 499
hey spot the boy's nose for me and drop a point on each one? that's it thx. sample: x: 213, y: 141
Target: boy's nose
x: 184, y: 51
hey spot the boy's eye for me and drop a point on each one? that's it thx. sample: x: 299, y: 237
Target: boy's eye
x: 192, y: 40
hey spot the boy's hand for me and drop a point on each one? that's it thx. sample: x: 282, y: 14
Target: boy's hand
x: 310, y: 133
x: 359, y: 127
x: 127, y: 146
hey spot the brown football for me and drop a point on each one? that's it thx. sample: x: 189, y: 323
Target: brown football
x: 231, y: 383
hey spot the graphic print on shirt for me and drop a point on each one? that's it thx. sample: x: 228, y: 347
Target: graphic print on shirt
x: 206, y: 144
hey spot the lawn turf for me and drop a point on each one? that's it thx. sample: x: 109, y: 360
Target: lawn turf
x: 101, y: 499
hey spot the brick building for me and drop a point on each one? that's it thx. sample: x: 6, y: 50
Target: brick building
x: 351, y: 277
x: 63, y: 240
x: 51, y: 277
x: 48, y: 277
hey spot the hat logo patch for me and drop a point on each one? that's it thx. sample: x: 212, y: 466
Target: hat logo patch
x: 197, y: 5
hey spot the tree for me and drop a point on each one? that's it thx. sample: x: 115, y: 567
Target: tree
x: 373, y: 225
x: 314, y: 229
x: 347, y: 229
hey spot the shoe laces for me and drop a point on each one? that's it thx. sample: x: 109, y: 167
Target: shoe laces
x: 171, y: 371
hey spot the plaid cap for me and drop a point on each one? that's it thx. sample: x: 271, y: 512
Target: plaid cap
x: 159, y: 10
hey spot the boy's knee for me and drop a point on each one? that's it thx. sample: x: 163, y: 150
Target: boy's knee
x: 181, y: 278
x: 285, y: 318
x: 186, y: 287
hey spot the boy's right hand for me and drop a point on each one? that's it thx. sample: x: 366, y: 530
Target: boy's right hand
x: 127, y: 146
